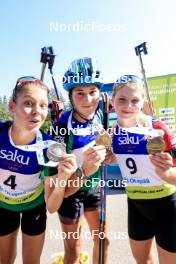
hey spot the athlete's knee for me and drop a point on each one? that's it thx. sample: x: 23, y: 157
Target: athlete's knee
x: 143, y: 259
x: 71, y: 256
x: 30, y: 260
x: 8, y: 259
x: 107, y: 241
x: 31, y: 257
x: 97, y: 241
x: 72, y: 250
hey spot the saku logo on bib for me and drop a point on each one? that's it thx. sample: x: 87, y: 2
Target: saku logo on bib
x: 14, y: 156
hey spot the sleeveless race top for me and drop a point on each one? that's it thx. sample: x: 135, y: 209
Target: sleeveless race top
x: 78, y: 138
x: 21, y: 183
x: 129, y: 145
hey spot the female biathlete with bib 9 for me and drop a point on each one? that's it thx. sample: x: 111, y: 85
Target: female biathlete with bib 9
x: 150, y: 177
x: 21, y: 183
x: 82, y: 82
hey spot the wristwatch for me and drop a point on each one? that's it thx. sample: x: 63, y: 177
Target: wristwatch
x: 80, y: 174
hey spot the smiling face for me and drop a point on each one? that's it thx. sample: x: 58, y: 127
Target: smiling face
x: 86, y: 99
x: 128, y: 101
x: 30, y: 108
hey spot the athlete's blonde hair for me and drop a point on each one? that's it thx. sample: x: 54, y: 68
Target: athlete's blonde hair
x: 25, y: 86
x: 137, y: 87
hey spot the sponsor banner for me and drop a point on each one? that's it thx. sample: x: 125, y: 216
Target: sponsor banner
x: 167, y: 111
x: 163, y: 94
x: 167, y: 119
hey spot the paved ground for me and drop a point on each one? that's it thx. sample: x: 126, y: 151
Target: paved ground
x: 119, y: 250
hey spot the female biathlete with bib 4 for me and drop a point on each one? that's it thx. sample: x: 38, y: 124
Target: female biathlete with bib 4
x: 145, y: 150
x: 82, y: 123
x: 21, y: 181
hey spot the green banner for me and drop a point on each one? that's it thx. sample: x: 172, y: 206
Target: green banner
x: 163, y: 94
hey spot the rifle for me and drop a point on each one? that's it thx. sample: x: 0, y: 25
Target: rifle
x: 48, y: 57
x: 142, y: 48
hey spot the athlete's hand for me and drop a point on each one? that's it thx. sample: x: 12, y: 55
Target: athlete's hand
x: 163, y: 162
x: 67, y: 166
x: 110, y: 157
x: 92, y: 159
x: 148, y: 108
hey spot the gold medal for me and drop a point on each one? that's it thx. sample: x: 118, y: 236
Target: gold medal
x: 104, y: 139
x: 155, y: 145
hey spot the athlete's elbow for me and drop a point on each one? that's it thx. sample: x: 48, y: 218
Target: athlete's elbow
x: 51, y: 209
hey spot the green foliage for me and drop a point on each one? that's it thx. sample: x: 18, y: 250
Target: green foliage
x: 5, y: 115
x: 52, y: 96
x: 47, y: 124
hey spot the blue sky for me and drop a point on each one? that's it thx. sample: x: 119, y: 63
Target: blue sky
x: 25, y: 27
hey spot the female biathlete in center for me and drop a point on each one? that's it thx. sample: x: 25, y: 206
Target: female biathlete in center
x: 82, y: 123
x: 151, y: 178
